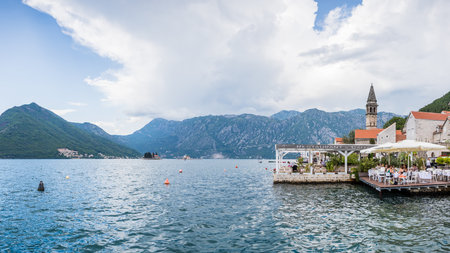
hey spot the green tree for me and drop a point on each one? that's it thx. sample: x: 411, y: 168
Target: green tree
x: 350, y: 138
x: 400, y: 122
x: 438, y: 105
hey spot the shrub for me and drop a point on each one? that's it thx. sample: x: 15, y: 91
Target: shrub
x: 440, y: 160
x: 330, y: 166
x: 366, y: 164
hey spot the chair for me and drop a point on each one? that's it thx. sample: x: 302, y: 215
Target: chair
x: 425, y: 176
x: 396, y: 177
x: 381, y: 175
x: 412, y: 177
x: 372, y: 174
x: 445, y: 175
x: 437, y: 174
x: 403, y: 178
x: 388, y: 176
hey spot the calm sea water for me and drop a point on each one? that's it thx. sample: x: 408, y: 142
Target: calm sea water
x: 123, y: 205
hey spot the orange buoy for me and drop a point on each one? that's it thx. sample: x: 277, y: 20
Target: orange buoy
x: 167, y: 181
x: 181, y: 171
x: 224, y: 170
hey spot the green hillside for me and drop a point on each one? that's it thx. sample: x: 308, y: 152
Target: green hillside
x: 30, y: 131
x: 438, y: 105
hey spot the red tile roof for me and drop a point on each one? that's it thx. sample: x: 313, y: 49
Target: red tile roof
x: 430, y: 115
x: 367, y: 134
x: 338, y: 139
x: 400, y: 137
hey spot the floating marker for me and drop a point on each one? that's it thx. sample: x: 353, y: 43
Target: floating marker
x: 167, y: 181
x: 266, y: 168
x: 224, y: 170
x: 41, y: 186
x: 181, y: 171
x: 236, y: 166
x: 67, y: 177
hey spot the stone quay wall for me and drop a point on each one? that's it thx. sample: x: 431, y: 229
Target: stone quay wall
x: 297, y: 178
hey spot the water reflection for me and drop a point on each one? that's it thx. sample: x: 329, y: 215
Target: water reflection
x: 348, y: 217
x: 123, y: 205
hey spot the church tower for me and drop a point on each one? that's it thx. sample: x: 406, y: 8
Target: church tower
x: 371, y: 110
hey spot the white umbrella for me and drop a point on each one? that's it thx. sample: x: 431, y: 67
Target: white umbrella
x: 368, y: 150
x: 385, y: 147
x: 412, y: 145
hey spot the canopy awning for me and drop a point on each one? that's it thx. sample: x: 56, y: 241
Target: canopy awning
x: 404, y: 146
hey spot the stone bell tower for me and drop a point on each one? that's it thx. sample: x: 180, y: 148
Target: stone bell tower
x: 371, y: 110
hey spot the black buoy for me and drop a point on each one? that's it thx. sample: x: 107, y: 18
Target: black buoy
x: 41, y: 186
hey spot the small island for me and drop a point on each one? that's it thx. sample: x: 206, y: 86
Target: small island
x: 151, y: 156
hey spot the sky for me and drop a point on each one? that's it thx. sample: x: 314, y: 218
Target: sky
x: 120, y: 64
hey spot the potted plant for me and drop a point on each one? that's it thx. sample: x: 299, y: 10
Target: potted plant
x: 309, y: 169
x: 300, y: 165
x: 330, y: 166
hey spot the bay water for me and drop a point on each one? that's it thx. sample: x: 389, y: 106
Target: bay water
x: 212, y: 206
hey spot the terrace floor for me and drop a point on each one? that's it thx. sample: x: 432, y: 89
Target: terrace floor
x: 379, y: 186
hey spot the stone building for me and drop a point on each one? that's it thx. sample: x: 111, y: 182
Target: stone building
x: 390, y: 134
x: 371, y: 110
x: 366, y: 136
x: 371, y: 135
x: 442, y: 133
x: 420, y: 126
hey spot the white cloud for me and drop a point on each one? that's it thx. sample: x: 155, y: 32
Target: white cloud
x: 77, y: 103
x: 186, y: 58
x: 62, y: 112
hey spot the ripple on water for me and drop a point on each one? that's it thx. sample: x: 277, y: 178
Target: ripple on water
x: 123, y: 205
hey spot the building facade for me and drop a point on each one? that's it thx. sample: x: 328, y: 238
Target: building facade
x: 371, y: 110
x: 442, y: 133
x: 421, y: 126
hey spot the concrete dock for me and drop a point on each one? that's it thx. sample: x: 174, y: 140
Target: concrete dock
x: 297, y: 178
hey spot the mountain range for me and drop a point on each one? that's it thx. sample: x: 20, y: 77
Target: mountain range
x: 246, y: 135
x: 30, y: 131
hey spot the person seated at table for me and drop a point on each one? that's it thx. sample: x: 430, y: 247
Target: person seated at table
x: 405, y: 169
x: 389, y: 169
x: 401, y: 169
x: 403, y: 175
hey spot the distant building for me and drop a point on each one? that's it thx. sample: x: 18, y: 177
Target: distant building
x: 371, y: 110
x: 429, y: 127
x: 365, y: 136
x: 442, y: 133
x: 390, y: 134
x: 421, y: 126
x: 338, y: 140
x: 372, y: 134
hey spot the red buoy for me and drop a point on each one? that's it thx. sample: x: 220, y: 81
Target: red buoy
x: 236, y: 166
x: 167, y: 181
x: 181, y: 171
